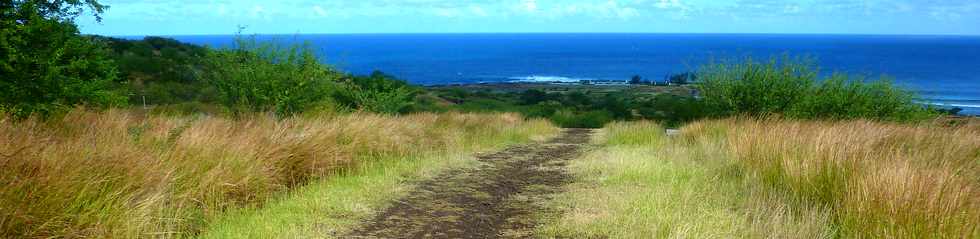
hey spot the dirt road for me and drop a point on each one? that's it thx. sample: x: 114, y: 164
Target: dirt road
x: 498, y: 199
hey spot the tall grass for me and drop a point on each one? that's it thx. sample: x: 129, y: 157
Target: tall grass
x: 776, y: 178
x: 123, y: 174
x: 643, y: 184
x: 874, y: 179
x: 639, y: 133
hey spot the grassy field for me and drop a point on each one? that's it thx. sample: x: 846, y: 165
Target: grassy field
x: 122, y: 174
x: 331, y: 207
x: 776, y: 179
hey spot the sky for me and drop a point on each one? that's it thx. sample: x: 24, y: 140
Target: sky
x: 210, y: 17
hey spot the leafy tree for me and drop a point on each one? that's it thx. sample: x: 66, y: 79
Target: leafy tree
x: 379, y: 92
x: 256, y: 77
x: 533, y: 96
x: 579, y: 100
x: 636, y: 80
x: 46, y: 66
x: 588, y: 119
x: 617, y: 106
x: 682, y: 79
x: 755, y: 88
x: 671, y: 110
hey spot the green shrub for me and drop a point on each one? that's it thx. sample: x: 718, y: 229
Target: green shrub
x: 46, y: 66
x: 617, y: 105
x: 259, y: 77
x: 791, y: 87
x: 161, y: 70
x: 379, y: 93
x: 590, y: 119
x: 636, y: 133
x: 754, y: 88
x: 841, y: 97
x: 185, y: 108
x: 673, y: 111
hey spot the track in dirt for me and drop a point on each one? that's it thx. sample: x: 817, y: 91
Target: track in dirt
x: 498, y: 199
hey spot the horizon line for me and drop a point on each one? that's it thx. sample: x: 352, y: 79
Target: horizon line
x: 554, y: 33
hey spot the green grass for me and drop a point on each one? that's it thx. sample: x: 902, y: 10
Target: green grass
x: 329, y: 208
x: 642, y: 184
x: 775, y: 178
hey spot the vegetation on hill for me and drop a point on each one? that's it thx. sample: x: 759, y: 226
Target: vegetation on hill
x: 255, y: 77
x: 582, y: 108
x: 378, y: 92
x: 103, y: 171
x: 161, y: 71
x: 787, y: 86
x: 792, y: 87
x: 46, y: 66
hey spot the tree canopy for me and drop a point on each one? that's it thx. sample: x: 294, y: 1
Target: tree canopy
x: 47, y: 66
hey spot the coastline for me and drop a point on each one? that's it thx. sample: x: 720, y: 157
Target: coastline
x: 680, y: 90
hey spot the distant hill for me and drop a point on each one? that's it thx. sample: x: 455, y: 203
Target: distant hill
x: 162, y: 70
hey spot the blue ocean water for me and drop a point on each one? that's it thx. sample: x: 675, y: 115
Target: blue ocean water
x: 944, y: 70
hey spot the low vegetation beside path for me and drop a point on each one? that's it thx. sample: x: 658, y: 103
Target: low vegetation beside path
x: 776, y: 178
x: 124, y: 174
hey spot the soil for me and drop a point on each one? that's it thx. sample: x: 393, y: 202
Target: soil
x: 501, y: 198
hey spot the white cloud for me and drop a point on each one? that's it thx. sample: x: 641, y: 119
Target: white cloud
x: 530, y: 5
x: 319, y: 11
x: 478, y: 11
x: 664, y: 4
x: 258, y: 11
x: 396, y: 12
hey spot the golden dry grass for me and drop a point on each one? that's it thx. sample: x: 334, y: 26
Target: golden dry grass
x: 643, y: 184
x: 775, y: 178
x: 122, y: 174
x: 875, y: 179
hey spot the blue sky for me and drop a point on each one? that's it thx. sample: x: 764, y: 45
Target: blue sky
x: 191, y: 17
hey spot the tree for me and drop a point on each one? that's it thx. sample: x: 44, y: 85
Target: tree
x: 47, y: 66
x: 533, y: 96
x: 379, y: 93
x: 682, y: 79
x: 636, y: 80
x: 259, y: 77
x: 578, y: 99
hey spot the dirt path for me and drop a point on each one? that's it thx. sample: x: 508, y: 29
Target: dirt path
x: 498, y: 199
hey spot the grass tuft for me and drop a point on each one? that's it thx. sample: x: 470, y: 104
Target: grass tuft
x: 123, y: 174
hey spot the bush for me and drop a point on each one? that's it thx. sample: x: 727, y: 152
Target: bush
x: 673, y: 111
x: 754, y: 88
x: 379, y: 93
x: 791, y: 86
x: 590, y: 119
x: 163, y: 70
x: 256, y: 77
x: 47, y: 66
x: 843, y: 98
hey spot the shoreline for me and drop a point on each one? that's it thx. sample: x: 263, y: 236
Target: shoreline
x: 513, y: 87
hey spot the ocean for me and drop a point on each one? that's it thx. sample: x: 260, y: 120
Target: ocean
x: 943, y: 70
